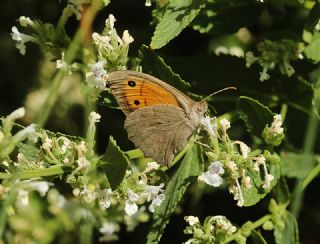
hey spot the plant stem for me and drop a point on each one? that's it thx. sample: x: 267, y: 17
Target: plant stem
x: 28, y: 174
x: 70, y: 54
x: 247, y: 229
x: 309, y: 142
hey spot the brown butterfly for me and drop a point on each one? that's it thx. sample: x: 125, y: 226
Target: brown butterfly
x: 159, y: 118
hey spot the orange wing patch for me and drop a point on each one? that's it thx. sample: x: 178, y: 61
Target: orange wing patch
x: 140, y: 93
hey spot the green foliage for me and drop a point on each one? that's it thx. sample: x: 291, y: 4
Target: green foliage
x: 254, y: 114
x: 190, y: 167
x: 156, y: 66
x: 287, y: 232
x: 177, y: 15
x: 66, y: 188
x: 116, y: 164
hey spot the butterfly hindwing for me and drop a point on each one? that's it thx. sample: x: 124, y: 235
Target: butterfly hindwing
x: 160, y: 131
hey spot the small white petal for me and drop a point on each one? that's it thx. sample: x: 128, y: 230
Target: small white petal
x: 130, y: 208
x: 192, y: 220
x: 216, y: 168
x: 133, y: 197
x: 211, y: 179
x: 156, y: 202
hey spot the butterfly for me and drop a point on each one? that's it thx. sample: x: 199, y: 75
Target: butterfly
x: 159, y: 118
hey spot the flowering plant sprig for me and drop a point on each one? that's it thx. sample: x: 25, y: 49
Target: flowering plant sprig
x: 233, y: 162
x: 215, y: 229
x: 75, y: 161
x: 274, y: 54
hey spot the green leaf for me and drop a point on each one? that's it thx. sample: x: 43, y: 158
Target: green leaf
x: 155, y: 65
x: 313, y: 17
x: 254, y: 114
x: 115, y: 164
x: 257, y: 238
x: 281, y: 191
x: 30, y: 151
x: 257, y: 192
x: 289, y: 234
x: 190, y: 167
x: 178, y: 15
x: 295, y: 165
x: 312, y: 50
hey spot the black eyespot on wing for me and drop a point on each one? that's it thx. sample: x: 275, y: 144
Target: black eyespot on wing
x: 132, y: 83
x: 136, y: 102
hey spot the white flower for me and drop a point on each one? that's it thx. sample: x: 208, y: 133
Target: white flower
x: 154, y: 196
x: 131, y: 207
x: 108, y: 228
x: 245, y: 150
x: 20, y: 39
x: 65, y: 145
x: 223, y: 223
x: 156, y: 202
x: 94, y: 117
x: 212, y: 176
x: 221, y: 50
x: 151, y: 166
x: 246, y: 181
x: 110, y: 22
x: 61, y: 63
x: 89, y: 194
x: 126, y: 38
x: 276, y: 124
x: 95, y: 78
x: 102, y: 41
x: 17, y: 114
x: 47, y: 145
x: 236, y: 51
x: 225, y: 124
x: 148, y: 3
x: 231, y: 165
x: 206, y: 122
x: 82, y: 147
x: 104, y: 198
x: 29, y: 131
x: 25, y: 21
x: 192, y: 220
x: 83, y: 163
x: 23, y: 197
x: 41, y: 186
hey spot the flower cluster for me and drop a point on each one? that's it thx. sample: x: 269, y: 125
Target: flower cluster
x: 233, y: 162
x: 112, y: 53
x: 275, y: 53
x: 215, y: 229
x: 72, y: 158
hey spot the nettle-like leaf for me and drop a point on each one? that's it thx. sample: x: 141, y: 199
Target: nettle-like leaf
x: 257, y: 192
x: 191, y: 167
x: 281, y: 191
x: 115, y: 164
x: 254, y: 114
x: 288, y: 233
x: 313, y: 17
x: 178, y: 14
x: 257, y: 238
x: 312, y: 50
x: 295, y: 165
x: 156, y: 66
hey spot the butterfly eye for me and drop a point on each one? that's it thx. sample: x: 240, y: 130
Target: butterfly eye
x: 136, y: 102
x: 131, y: 83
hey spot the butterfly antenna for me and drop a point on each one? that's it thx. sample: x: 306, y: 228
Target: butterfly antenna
x: 224, y: 89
